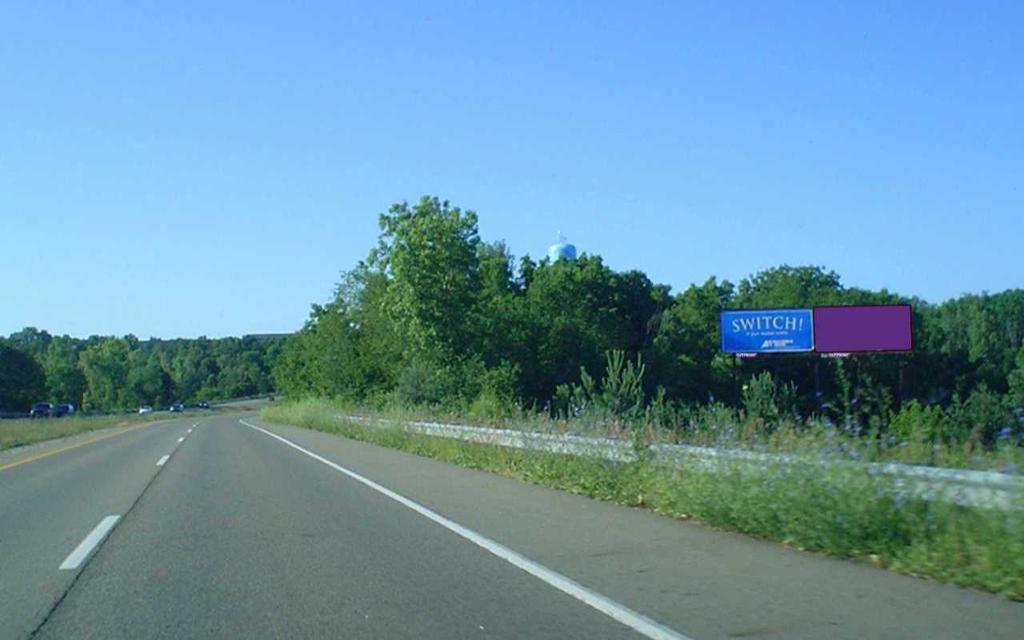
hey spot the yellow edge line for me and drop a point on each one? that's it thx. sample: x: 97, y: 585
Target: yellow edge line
x: 45, y: 454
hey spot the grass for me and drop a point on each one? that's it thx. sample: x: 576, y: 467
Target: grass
x: 841, y: 510
x: 724, y: 429
x: 21, y: 432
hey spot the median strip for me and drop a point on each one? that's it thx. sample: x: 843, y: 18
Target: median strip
x: 76, y: 445
x: 91, y: 541
x: 632, y: 619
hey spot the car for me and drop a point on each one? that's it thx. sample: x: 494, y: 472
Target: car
x: 203, y: 405
x: 63, y: 409
x: 145, y: 409
x: 41, y: 410
x: 176, y: 407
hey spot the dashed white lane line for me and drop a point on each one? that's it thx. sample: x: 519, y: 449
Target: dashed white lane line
x: 162, y: 461
x: 181, y: 439
x: 636, y: 621
x: 91, y: 541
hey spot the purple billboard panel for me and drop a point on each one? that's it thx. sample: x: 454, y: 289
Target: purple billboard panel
x: 863, y: 328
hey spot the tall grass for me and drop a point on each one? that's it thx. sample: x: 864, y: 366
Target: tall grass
x: 843, y: 510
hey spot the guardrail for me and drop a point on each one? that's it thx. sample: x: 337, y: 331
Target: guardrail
x: 987, y: 489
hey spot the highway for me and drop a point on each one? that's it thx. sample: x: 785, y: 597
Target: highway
x: 249, y: 530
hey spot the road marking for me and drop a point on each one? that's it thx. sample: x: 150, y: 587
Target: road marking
x: 73, y: 446
x: 189, y: 431
x: 162, y: 461
x: 636, y: 621
x: 181, y: 439
x: 91, y: 541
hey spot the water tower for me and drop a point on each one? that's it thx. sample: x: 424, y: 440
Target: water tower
x: 561, y: 250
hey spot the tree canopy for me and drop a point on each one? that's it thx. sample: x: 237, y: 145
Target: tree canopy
x: 436, y: 315
x: 118, y: 373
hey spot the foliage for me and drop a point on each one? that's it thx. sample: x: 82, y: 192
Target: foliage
x: 434, y: 310
x: 618, y: 397
x: 759, y: 400
x: 105, y: 366
x: 429, y: 251
x: 111, y: 374
x: 22, y: 381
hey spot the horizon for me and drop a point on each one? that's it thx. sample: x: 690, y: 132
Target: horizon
x: 914, y: 300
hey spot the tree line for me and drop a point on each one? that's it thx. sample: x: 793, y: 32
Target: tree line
x: 103, y: 373
x: 436, y: 316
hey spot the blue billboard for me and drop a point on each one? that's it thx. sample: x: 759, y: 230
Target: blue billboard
x: 767, y: 331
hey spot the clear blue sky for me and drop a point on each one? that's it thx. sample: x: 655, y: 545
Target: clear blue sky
x: 187, y: 168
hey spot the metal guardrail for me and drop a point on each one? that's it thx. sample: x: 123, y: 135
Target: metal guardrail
x: 988, y: 489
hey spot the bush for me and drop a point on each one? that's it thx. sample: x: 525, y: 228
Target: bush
x: 422, y: 383
x: 496, y: 399
x: 920, y: 424
x: 759, y: 401
x: 619, y: 397
x: 981, y: 419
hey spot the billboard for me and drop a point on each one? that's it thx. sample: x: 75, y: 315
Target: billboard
x: 862, y: 328
x: 767, y: 331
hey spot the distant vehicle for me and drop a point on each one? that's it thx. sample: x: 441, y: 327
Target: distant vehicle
x: 203, y: 405
x: 177, y: 407
x: 41, y: 410
x: 63, y: 409
x: 145, y: 409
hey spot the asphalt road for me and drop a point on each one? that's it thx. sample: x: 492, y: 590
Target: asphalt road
x: 243, y: 534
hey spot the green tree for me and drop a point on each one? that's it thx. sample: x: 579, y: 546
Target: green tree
x: 65, y: 381
x: 1016, y: 382
x: 148, y: 382
x: 429, y: 251
x: 685, y: 358
x: 789, y: 287
x: 106, y: 366
x: 22, y: 381
x: 30, y: 340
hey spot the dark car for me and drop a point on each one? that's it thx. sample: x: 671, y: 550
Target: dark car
x: 41, y: 410
x: 203, y: 405
x: 177, y: 407
x: 63, y: 409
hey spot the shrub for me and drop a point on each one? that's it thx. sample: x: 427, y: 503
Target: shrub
x: 983, y: 416
x: 425, y: 383
x: 759, y: 401
x: 496, y: 399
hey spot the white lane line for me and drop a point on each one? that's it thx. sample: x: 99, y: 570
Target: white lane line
x: 189, y: 431
x: 91, y: 541
x: 604, y: 604
x: 181, y: 439
x: 162, y: 461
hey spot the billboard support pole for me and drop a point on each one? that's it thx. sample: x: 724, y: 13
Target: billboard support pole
x: 817, y: 382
